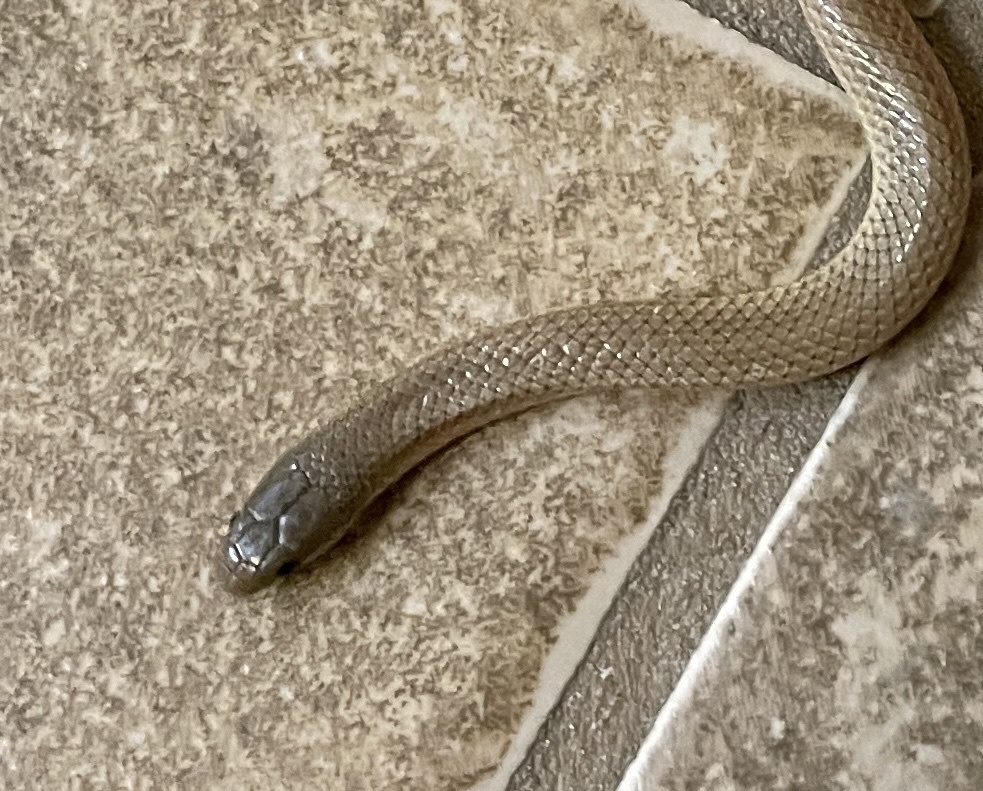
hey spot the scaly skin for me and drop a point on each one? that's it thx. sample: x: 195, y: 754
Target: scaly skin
x: 827, y: 319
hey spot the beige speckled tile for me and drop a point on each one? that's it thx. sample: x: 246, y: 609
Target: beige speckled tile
x: 850, y: 654
x: 215, y: 226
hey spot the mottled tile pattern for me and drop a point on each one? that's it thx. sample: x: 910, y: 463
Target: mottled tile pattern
x: 857, y: 659
x: 215, y: 225
x: 679, y: 580
x: 956, y: 34
x: 664, y: 609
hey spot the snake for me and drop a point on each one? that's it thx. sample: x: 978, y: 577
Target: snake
x: 830, y: 317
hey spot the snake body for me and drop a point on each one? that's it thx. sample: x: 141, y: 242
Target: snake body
x: 829, y: 318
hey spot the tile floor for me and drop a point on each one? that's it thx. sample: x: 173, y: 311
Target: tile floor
x: 219, y: 226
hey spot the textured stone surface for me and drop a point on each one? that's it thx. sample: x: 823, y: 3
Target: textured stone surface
x: 678, y: 582
x: 848, y: 671
x: 763, y: 438
x: 855, y: 660
x: 214, y: 226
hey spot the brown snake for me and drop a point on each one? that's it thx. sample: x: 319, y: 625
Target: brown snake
x: 829, y: 318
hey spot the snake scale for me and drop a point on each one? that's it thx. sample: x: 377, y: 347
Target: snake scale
x: 827, y: 319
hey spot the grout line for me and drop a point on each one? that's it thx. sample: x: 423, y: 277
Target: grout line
x: 578, y: 628
x: 679, y: 21
x: 655, y: 754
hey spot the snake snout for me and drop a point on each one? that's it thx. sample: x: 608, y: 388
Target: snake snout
x: 251, y: 552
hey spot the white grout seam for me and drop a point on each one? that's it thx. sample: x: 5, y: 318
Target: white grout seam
x: 644, y: 772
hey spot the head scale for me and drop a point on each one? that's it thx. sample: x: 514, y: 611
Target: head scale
x: 276, y: 529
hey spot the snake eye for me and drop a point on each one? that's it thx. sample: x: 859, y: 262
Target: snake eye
x: 287, y: 567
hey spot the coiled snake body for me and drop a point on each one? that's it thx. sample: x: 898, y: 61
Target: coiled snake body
x: 830, y: 317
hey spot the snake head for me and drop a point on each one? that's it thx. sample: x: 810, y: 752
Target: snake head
x: 272, y: 532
